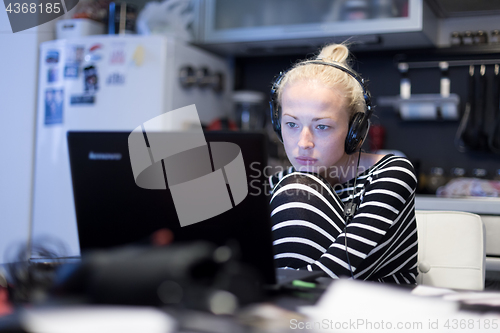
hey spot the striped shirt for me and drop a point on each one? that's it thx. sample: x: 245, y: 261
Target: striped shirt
x: 310, y: 232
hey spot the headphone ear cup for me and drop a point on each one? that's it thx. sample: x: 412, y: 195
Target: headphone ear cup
x: 275, y: 117
x: 358, y: 130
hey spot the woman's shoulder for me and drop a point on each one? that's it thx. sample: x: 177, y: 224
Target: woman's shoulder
x: 278, y: 175
x: 393, y: 170
x: 390, y: 161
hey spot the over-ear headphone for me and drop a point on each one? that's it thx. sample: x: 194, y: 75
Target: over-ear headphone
x: 359, y: 123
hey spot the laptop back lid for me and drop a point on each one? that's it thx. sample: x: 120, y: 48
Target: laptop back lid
x: 111, y: 210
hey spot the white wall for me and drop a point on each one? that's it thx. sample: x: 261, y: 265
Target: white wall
x: 18, y: 89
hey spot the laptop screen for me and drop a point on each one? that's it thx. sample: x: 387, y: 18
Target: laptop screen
x: 112, y: 210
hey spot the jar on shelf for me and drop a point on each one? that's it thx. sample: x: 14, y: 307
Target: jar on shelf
x: 495, y: 37
x: 479, y: 173
x: 249, y: 109
x: 457, y: 172
x: 456, y: 38
x: 481, y: 37
x: 468, y: 38
x: 435, y: 180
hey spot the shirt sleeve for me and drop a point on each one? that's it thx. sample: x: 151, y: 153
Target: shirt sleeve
x: 275, y: 179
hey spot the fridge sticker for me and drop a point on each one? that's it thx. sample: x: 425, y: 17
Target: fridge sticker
x: 74, y: 54
x: 82, y: 99
x: 74, y: 57
x: 91, y: 81
x: 91, y: 85
x: 54, y: 99
x: 117, y: 54
x: 92, y: 55
x: 52, y: 57
x: 52, y: 74
x: 95, y: 47
x: 115, y: 79
x: 138, y: 56
x: 71, y: 70
x: 117, y: 57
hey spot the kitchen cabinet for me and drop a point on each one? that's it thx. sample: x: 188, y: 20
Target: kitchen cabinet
x: 261, y: 26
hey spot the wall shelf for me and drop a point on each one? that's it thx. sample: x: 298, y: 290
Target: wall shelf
x: 423, y: 106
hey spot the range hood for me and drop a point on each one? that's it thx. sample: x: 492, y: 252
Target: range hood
x: 464, y: 8
x: 260, y: 28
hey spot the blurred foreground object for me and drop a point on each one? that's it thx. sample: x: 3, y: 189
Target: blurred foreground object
x: 31, y: 270
x: 96, y: 319
x: 5, y: 306
x: 195, y: 275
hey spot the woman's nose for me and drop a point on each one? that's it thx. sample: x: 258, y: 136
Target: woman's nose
x: 306, y: 139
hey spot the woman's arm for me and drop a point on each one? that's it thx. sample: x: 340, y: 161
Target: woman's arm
x: 380, y: 235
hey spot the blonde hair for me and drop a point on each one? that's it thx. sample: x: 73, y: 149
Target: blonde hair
x: 330, y: 76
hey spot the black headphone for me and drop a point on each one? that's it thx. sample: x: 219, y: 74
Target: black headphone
x: 359, y: 123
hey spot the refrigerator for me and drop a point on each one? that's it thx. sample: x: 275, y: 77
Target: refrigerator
x: 111, y: 83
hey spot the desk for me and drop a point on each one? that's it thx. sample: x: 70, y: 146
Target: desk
x: 363, y: 302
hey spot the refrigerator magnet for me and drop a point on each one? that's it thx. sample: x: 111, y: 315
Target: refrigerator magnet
x: 115, y: 79
x: 54, y: 106
x: 138, y: 56
x: 91, y: 80
x: 52, y: 74
x: 74, y: 54
x: 117, y: 57
x: 71, y: 71
x: 82, y: 99
x: 52, y: 57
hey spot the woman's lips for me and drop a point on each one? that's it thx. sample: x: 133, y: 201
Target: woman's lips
x: 305, y: 160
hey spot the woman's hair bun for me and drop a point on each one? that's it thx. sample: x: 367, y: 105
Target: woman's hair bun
x: 334, y: 52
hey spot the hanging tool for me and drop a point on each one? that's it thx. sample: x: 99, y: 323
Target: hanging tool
x: 464, y: 136
x: 494, y: 135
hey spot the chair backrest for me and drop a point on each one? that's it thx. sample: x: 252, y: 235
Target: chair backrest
x: 451, y: 250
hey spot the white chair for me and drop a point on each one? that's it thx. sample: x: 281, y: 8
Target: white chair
x: 451, y: 250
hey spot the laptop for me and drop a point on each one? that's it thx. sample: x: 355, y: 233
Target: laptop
x: 112, y: 210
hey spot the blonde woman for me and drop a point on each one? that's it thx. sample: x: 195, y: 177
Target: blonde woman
x: 339, y: 210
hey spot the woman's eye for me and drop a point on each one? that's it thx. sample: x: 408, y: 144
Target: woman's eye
x: 291, y: 125
x: 323, y: 127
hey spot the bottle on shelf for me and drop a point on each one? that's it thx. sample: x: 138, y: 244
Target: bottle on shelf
x: 445, y: 79
x: 481, y: 37
x: 435, y: 180
x: 456, y: 38
x: 405, y: 84
x: 468, y: 38
x: 457, y: 172
x: 495, y: 37
x: 479, y: 173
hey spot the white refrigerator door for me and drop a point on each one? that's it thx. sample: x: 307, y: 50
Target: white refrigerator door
x: 128, y: 91
x: 107, y: 83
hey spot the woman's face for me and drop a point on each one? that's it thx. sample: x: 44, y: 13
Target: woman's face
x: 314, y: 126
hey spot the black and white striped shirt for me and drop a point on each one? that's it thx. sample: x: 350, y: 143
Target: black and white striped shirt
x: 309, y: 230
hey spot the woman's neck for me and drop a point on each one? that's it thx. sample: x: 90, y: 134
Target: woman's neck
x: 343, y: 170
x: 347, y: 168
